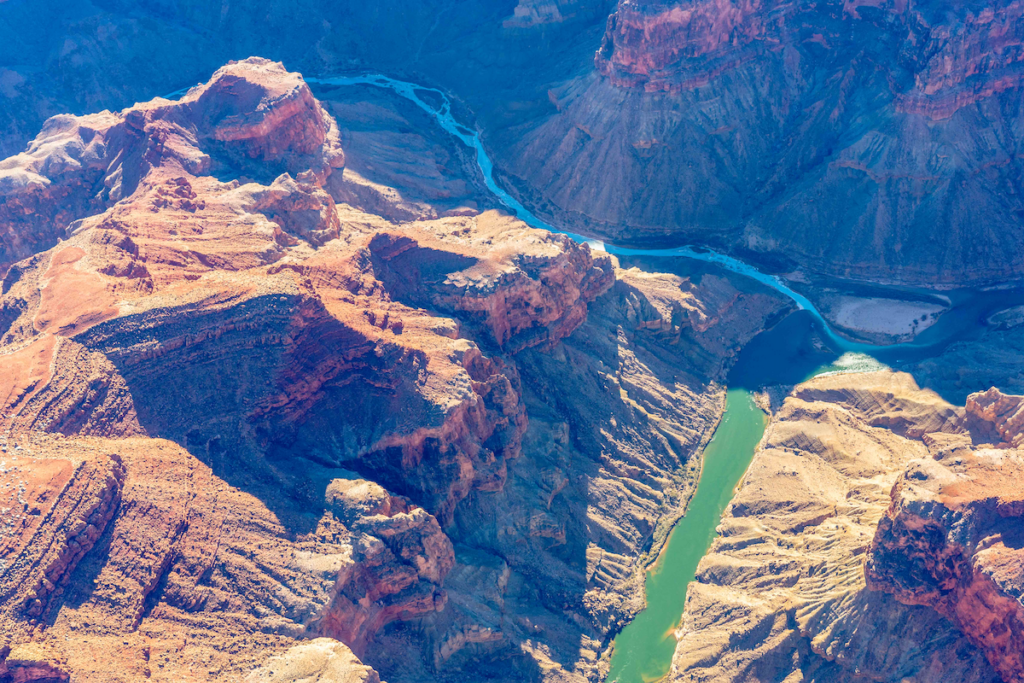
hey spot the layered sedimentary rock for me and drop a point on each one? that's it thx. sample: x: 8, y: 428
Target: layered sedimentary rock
x: 871, y: 140
x: 318, y: 661
x: 950, y: 539
x: 783, y: 592
x: 665, y: 46
x: 246, y: 119
x: 246, y: 403
x: 598, y: 485
x: 837, y: 138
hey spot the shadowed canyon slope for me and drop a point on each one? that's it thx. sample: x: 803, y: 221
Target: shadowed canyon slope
x: 265, y: 418
x: 866, y: 140
x: 873, y: 141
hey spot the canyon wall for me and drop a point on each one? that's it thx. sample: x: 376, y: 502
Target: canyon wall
x: 865, y: 140
x: 873, y: 141
x: 950, y: 538
x: 265, y: 417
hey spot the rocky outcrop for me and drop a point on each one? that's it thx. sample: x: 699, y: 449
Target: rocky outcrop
x: 531, y: 299
x: 251, y: 117
x: 783, y: 591
x: 54, y: 512
x: 319, y: 661
x: 950, y: 539
x: 998, y: 415
x: 259, y: 413
x: 402, y: 558
x: 28, y: 664
x: 647, y: 44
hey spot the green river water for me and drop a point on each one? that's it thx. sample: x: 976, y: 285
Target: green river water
x: 643, y: 651
x: 787, y: 354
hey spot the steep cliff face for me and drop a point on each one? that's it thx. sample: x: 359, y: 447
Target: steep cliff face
x: 842, y: 138
x: 947, y: 57
x: 782, y: 589
x: 552, y: 565
x: 876, y: 535
x: 652, y: 45
x: 249, y: 118
x: 951, y: 536
x: 241, y: 409
x: 140, y: 562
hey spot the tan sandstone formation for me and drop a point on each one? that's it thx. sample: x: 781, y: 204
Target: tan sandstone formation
x: 951, y: 538
x: 321, y: 660
x: 782, y: 594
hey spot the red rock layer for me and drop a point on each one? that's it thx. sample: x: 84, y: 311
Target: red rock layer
x: 952, y: 537
x: 955, y: 56
x: 401, y: 555
x: 966, y: 55
x: 843, y: 139
x: 54, y: 512
x: 276, y: 346
x: 672, y: 47
x: 252, y: 117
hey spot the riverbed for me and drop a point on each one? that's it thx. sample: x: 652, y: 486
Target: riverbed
x: 643, y: 650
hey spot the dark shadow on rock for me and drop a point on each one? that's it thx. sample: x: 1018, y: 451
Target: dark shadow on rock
x: 418, y: 276
x: 227, y: 384
x: 523, y: 569
x: 82, y: 580
x: 413, y: 273
x: 787, y: 353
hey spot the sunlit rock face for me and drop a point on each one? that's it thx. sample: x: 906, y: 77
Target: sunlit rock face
x: 826, y: 563
x: 951, y: 538
x: 664, y: 46
x: 252, y: 117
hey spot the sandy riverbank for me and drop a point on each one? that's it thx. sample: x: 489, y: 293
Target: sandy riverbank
x: 879, y: 319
